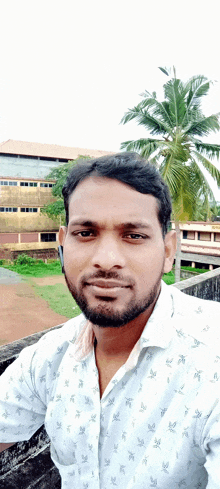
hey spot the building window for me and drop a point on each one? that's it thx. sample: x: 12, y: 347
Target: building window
x: 6, y: 182
x: 217, y: 237
x: 8, y: 209
x: 28, y: 184
x: 203, y: 236
x: 46, y: 237
x: 29, y: 209
x: 47, y: 185
x: 185, y: 234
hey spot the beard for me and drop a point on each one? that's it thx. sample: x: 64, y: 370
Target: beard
x: 103, y: 315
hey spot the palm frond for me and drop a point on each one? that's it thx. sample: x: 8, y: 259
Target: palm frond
x: 199, y: 181
x: 184, y: 201
x: 179, y: 148
x: 164, y: 70
x: 157, y: 109
x: 197, y: 87
x: 175, y: 92
x: 143, y: 118
x: 203, y: 126
x: 213, y: 171
x: 210, y: 150
x: 174, y: 173
x: 142, y: 145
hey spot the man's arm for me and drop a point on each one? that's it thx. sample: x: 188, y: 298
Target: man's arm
x: 3, y: 446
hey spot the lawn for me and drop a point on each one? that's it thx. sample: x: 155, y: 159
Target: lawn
x: 30, y: 267
x: 59, y: 299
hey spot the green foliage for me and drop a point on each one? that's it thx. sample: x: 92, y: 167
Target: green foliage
x: 56, y: 210
x: 24, y: 259
x: 196, y: 270
x: 169, y: 278
x: 31, y: 267
x: 179, y: 153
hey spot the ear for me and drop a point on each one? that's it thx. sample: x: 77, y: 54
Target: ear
x: 62, y: 234
x: 170, y: 250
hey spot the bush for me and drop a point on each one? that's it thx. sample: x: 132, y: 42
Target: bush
x: 24, y: 259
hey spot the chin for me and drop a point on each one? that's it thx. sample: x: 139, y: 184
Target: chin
x: 106, y: 313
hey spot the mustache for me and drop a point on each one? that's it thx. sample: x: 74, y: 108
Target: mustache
x: 107, y: 275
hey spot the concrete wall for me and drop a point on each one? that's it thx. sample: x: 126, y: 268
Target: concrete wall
x: 11, y: 196
x: 197, y: 258
x: 17, y: 196
x: 27, y: 465
x: 11, y: 166
x: 42, y: 250
x: 206, y: 286
x: 12, y: 222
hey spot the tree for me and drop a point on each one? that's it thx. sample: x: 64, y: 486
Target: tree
x: 55, y: 210
x: 180, y: 154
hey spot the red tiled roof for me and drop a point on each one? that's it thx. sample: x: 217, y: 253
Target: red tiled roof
x: 48, y: 150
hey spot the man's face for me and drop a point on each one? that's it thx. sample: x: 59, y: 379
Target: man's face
x: 114, y: 251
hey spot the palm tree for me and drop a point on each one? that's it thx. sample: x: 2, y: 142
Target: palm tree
x: 177, y: 150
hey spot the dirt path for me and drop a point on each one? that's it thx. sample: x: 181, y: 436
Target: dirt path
x: 23, y: 312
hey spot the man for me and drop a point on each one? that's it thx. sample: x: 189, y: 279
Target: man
x: 129, y: 390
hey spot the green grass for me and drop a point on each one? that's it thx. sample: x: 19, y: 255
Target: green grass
x: 197, y: 270
x: 36, y: 269
x: 169, y: 278
x: 59, y: 299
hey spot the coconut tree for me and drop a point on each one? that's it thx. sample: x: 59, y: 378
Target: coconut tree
x: 177, y: 125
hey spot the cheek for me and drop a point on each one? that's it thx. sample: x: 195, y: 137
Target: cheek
x: 149, y: 266
x: 74, y: 261
x: 150, y: 258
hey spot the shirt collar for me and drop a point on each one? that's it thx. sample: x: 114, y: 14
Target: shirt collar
x: 157, y: 332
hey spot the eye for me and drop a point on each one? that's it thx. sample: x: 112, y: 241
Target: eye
x: 135, y: 236
x: 85, y: 234
x: 88, y: 233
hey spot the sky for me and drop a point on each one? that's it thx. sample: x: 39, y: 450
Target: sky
x: 70, y: 69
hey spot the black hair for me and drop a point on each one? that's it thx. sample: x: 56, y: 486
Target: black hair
x: 128, y: 168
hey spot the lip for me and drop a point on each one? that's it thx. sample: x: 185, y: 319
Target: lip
x: 107, y: 284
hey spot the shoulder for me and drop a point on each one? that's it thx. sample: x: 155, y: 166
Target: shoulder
x: 187, y: 304
x: 53, y: 345
x: 198, y: 319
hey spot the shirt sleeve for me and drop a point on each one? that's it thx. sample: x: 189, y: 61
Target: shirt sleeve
x: 211, y: 444
x: 22, y: 411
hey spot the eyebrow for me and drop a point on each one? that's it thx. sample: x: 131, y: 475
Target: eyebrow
x: 124, y: 225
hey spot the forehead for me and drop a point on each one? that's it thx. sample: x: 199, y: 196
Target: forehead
x: 97, y: 198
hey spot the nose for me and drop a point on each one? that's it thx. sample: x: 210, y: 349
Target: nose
x: 108, y: 254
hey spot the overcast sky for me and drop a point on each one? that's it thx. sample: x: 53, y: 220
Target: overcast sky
x: 70, y: 69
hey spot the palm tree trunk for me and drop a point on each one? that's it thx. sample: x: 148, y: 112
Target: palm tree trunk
x: 178, y: 252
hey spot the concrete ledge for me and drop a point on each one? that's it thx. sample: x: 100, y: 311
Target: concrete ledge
x: 9, y: 352
x: 201, y: 258
x: 206, y: 286
x: 27, y: 465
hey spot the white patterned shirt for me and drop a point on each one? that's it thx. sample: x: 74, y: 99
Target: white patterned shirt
x: 157, y: 424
